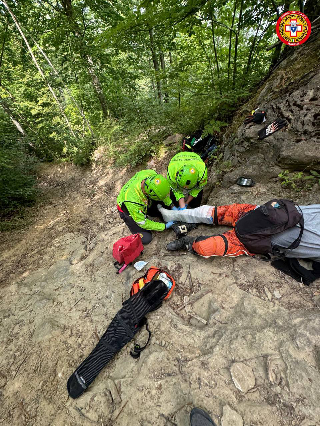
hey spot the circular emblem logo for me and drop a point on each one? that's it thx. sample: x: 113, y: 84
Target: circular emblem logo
x: 192, y: 171
x: 293, y: 28
x: 157, y: 181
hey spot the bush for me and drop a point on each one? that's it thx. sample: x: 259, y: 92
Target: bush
x: 17, y: 178
x: 299, y: 181
x: 138, y: 149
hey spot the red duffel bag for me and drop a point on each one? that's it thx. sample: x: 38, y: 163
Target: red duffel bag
x: 126, y: 250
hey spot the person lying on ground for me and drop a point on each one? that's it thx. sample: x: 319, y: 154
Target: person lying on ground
x: 137, y: 200
x: 187, y: 175
x: 299, y: 238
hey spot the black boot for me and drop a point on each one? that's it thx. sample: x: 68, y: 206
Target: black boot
x: 183, y: 243
x: 181, y: 229
x: 200, y: 417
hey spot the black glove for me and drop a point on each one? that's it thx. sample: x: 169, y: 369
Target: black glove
x: 256, y: 117
x: 272, y: 128
x: 181, y: 229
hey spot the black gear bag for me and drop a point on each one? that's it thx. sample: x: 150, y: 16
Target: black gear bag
x: 203, y: 146
x: 121, y: 330
x: 256, y: 227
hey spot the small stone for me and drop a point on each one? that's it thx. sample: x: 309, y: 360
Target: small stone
x: 307, y: 422
x: 276, y: 370
x: 242, y: 376
x: 116, y: 398
x: 317, y: 300
x: 231, y: 417
x: 3, y: 380
x: 268, y: 294
x: 277, y: 294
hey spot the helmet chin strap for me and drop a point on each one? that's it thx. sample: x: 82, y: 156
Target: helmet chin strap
x: 142, y: 186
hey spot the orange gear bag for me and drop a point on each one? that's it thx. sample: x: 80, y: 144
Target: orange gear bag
x: 153, y: 273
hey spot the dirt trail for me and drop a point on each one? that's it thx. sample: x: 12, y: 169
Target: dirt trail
x: 253, y: 359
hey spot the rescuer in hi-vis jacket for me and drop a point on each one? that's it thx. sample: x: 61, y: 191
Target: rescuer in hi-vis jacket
x: 187, y: 176
x: 138, y: 199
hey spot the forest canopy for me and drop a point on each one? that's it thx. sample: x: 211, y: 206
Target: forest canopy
x: 77, y: 74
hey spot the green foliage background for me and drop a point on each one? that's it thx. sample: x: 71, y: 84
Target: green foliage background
x: 123, y: 74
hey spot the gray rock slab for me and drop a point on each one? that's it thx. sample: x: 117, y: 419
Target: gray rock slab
x: 242, y: 376
x: 230, y: 417
x: 174, y: 139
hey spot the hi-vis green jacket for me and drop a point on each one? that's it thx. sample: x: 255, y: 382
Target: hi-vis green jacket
x: 179, y: 160
x: 136, y: 201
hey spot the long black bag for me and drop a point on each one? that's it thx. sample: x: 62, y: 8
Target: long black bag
x: 127, y: 322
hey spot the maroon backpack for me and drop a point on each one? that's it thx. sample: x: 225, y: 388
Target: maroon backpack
x: 256, y: 228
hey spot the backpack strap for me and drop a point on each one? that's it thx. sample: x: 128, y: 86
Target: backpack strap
x: 215, y: 217
x: 276, y: 249
x: 226, y: 244
x: 137, y: 349
x: 297, y: 241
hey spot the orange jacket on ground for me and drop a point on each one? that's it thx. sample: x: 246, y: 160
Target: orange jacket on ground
x: 226, y: 244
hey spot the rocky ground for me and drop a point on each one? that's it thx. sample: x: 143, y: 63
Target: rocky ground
x: 237, y: 337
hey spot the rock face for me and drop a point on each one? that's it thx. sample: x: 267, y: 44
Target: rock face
x: 292, y: 93
x: 236, y: 338
x: 174, y: 139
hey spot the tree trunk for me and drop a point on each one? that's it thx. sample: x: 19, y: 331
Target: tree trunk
x: 236, y: 46
x: 155, y: 64
x: 38, y: 67
x: 209, y: 61
x: 163, y: 68
x: 18, y: 118
x: 301, y: 6
x: 253, y: 60
x: 87, y: 59
x: 3, y: 103
x: 253, y: 45
x: 65, y: 88
x: 153, y: 87
x: 277, y: 50
x: 3, y: 45
x: 230, y: 39
x: 7, y: 109
x: 97, y: 86
x: 276, y: 54
x: 215, y: 49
